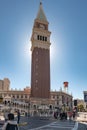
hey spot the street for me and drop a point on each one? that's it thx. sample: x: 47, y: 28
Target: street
x: 82, y: 126
x: 37, y: 123
x: 58, y: 125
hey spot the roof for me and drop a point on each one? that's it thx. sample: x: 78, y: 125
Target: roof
x: 41, y: 15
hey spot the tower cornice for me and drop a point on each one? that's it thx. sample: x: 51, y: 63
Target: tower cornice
x: 40, y: 45
x: 45, y: 32
x: 40, y: 21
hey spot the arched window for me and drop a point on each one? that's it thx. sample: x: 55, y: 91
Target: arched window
x: 45, y: 38
x: 38, y: 37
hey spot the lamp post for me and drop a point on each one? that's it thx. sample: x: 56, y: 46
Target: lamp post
x: 29, y: 108
x: 64, y: 107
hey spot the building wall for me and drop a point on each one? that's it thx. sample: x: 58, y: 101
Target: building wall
x: 58, y: 99
x: 4, y: 84
x: 40, y: 78
x: 61, y: 98
x: 1, y: 85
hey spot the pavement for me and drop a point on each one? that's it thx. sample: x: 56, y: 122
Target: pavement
x: 82, y: 126
x: 37, y: 123
x: 82, y: 117
x: 58, y: 125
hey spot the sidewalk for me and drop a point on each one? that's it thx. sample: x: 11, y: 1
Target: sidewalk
x: 82, y: 126
x: 27, y: 123
x: 82, y: 117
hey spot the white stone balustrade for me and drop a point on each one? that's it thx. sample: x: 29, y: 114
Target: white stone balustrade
x: 82, y: 116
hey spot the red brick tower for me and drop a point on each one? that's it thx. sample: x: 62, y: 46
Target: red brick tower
x: 40, y: 67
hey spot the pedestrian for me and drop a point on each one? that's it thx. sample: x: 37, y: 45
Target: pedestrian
x: 70, y: 116
x: 55, y: 115
x: 18, y: 116
x: 74, y: 114
x: 10, y: 124
x: 6, y: 115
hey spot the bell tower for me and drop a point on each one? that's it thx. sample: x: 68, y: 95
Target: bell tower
x: 40, y: 64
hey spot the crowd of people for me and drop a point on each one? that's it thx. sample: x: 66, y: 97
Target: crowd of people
x: 10, y: 123
x: 64, y: 115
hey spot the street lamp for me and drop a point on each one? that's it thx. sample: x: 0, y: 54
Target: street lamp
x: 28, y: 108
x: 64, y: 107
x: 29, y: 105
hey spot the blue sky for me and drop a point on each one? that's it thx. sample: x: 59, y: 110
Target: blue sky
x: 68, y: 24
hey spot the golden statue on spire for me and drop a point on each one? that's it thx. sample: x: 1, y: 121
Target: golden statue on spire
x: 40, y: 2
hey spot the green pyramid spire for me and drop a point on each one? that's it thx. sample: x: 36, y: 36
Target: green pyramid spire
x: 41, y: 15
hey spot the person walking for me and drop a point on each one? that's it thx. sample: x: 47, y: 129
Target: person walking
x: 18, y: 116
x: 74, y: 115
x: 10, y: 124
x: 6, y: 115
